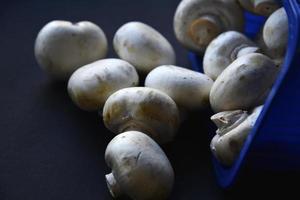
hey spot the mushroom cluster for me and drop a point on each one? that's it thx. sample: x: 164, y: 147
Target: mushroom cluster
x: 244, y: 73
x: 238, y: 76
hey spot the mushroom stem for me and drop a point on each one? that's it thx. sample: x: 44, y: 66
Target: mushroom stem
x: 113, y: 186
x: 247, y: 50
x: 228, y: 120
x: 264, y: 6
x: 204, y: 29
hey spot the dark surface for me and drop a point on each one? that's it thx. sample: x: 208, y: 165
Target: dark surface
x: 49, y: 149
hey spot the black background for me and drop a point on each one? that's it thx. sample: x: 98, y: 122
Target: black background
x: 49, y: 149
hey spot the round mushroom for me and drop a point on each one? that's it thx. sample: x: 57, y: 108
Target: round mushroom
x: 140, y: 168
x: 260, y: 7
x: 61, y: 47
x: 244, y: 84
x: 90, y: 85
x: 224, y: 49
x: 198, y: 22
x: 275, y: 35
x: 189, y: 89
x: 142, y: 109
x: 232, y: 133
x: 143, y: 46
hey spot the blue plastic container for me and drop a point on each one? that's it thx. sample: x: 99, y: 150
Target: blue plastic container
x: 274, y: 142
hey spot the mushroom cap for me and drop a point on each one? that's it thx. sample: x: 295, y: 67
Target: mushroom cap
x: 90, y: 85
x: 142, y: 109
x: 223, y: 50
x: 218, y: 16
x: 244, y: 84
x: 275, y: 34
x: 260, y: 7
x: 139, y: 166
x: 189, y: 89
x: 61, y: 47
x: 143, y: 46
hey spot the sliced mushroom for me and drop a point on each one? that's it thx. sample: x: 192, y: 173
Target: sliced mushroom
x: 224, y: 49
x: 92, y: 84
x: 275, y: 35
x: 61, y: 47
x: 189, y: 89
x: 142, y: 109
x: 198, y: 22
x: 244, y: 84
x: 140, y: 168
x: 260, y: 7
x: 143, y: 47
x: 228, y: 142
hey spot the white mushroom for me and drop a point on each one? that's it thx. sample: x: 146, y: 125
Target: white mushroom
x: 260, y: 7
x: 90, y: 85
x: 142, y: 109
x: 223, y: 50
x: 275, y: 35
x: 230, y: 138
x: 189, y: 89
x: 140, y: 168
x: 143, y: 46
x: 61, y: 47
x: 198, y: 22
x: 244, y: 84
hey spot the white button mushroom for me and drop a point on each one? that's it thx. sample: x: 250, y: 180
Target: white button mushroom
x: 244, y: 84
x: 223, y: 50
x: 140, y: 168
x: 61, y: 47
x: 189, y: 89
x: 260, y: 7
x: 143, y: 46
x: 90, y: 85
x: 198, y: 22
x: 234, y: 127
x: 275, y: 35
x: 142, y: 109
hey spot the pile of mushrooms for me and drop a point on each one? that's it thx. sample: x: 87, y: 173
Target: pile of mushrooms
x: 238, y: 76
x: 244, y: 73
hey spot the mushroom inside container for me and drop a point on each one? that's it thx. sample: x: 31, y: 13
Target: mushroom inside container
x: 274, y: 142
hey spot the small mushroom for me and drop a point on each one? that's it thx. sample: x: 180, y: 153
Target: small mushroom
x: 224, y: 49
x: 229, y: 140
x: 275, y: 35
x: 260, y: 7
x: 198, y: 22
x: 61, y: 47
x: 244, y: 84
x: 90, y: 85
x: 143, y: 46
x: 140, y: 168
x: 189, y: 89
x: 142, y: 109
